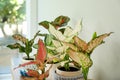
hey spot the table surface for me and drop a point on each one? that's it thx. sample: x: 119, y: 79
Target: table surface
x: 16, y: 76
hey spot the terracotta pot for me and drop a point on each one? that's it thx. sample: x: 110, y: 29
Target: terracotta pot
x: 75, y: 74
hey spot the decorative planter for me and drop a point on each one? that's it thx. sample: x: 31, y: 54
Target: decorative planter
x: 24, y: 69
x: 74, y: 74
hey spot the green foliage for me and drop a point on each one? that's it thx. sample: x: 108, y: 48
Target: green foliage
x: 85, y: 72
x: 66, y: 65
x: 94, y: 35
x: 11, y: 11
x: 68, y: 46
x: 58, y: 22
x: 25, y: 46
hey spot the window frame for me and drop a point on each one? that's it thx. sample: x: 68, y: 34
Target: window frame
x: 32, y: 17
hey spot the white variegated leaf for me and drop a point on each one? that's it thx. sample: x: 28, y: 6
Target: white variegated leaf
x: 51, y: 48
x: 68, y: 39
x: 68, y: 30
x: 75, y: 30
x: 56, y: 33
x: 56, y: 43
x: 61, y: 49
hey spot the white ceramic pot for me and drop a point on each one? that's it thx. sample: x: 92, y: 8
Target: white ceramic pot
x: 25, y: 60
x: 60, y: 74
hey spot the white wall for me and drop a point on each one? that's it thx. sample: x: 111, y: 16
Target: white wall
x: 98, y: 15
x: 31, y: 16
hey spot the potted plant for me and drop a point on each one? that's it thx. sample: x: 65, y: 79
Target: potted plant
x: 61, y: 42
x: 40, y: 61
x: 23, y: 44
x: 52, y: 43
x: 69, y: 49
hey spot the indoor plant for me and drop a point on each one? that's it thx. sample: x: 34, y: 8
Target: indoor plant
x: 75, y: 48
x: 54, y: 47
x: 69, y: 48
x: 40, y: 61
x: 58, y: 22
x: 23, y: 44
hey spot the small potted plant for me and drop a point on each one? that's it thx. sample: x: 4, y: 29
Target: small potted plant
x: 40, y: 73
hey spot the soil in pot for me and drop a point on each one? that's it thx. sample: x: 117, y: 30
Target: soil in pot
x: 70, y: 69
x: 25, y: 58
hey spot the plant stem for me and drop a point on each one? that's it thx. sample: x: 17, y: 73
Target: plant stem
x: 85, y: 73
x: 28, y: 56
x: 43, y: 71
x: 36, y: 35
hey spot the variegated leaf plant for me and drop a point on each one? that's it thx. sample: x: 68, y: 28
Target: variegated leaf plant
x: 79, y: 51
x: 67, y: 47
x: 40, y: 61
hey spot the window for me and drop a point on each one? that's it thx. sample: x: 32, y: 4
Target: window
x: 28, y: 28
x: 12, y: 19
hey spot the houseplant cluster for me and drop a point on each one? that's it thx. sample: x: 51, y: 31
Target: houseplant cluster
x: 63, y: 45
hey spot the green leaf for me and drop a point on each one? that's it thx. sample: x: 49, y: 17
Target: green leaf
x: 85, y: 73
x: 45, y: 24
x: 14, y: 46
x: 94, y: 35
x: 62, y: 30
x: 66, y: 57
x: 61, y: 21
x: 48, y: 39
x: 35, y: 46
x: 22, y: 49
x: 19, y: 37
x: 31, y: 42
